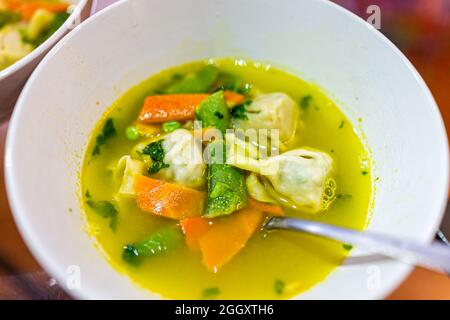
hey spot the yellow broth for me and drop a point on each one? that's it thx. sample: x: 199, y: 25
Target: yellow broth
x: 275, y: 265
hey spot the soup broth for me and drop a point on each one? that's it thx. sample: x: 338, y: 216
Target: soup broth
x: 273, y: 265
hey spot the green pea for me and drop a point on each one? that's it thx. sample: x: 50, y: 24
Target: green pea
x: 171, y: 126
x: 132, y: 133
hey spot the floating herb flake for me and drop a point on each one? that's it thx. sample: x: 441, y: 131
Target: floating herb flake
x: 106, y: 210
x: 341, y: 196
x: 305, y: 102
x: 108, y: 132
x: 209, y: 293
x: 240, y: 111
x: 347, y: 246
x: 279, y: 286
x: 156, y: 152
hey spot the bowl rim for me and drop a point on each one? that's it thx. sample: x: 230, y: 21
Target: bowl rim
x: 49, y: 261
x: 46, y: 45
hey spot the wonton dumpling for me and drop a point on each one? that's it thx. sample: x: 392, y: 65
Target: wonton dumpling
x: 303, y: 179
x: 299, y: 178
x: 126, y: 170
x: 257, y: 190
x: 271, y: 111
x: 184, y: 156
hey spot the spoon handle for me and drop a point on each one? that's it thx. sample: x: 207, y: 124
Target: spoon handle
x: 435, y: 256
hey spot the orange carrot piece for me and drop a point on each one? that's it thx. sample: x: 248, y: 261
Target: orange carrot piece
x: 193, y: 229
x: 233, y: 97
x: 167, y: 199
x: 228, y: 236
x: 27, y: 9
x: 272, y: 209
x: 170, y: 107
x: 176, y: 107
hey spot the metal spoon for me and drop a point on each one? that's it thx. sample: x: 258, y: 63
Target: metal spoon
x: 435, y: 256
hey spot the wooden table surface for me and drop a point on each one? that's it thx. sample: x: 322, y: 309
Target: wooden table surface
x: 21, y: 277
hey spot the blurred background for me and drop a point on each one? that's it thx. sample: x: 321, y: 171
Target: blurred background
x: 420, y: 28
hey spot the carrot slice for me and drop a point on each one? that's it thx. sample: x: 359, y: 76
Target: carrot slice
x: 167, y: 199
x: 233, y: 97
x: 193, y: 229
x: 228, y: 236
x: 176, y: 107
x: 27, y: 9
x: 272, y: 209
x: 170, y: 107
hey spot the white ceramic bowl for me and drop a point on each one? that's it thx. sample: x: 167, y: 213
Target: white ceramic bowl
x: 126, y: 43
x: 13, y: 78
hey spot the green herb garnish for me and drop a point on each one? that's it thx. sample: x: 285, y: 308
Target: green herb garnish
x: 342, y: 124
x: 209, y: 293
x: 108, y: 132
x: 106, y: 210
x: 278, y: 286
x: 240, y: 111
x: 347, y: 246
x: 364, y: 173
x: 157, y: 166
x: 156, y: 152
x: 305, y: 102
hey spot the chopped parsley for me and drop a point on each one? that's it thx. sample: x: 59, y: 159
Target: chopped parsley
x: 209, y: 293
x: 305, y: 102
x: 157, y: 166
x: 347, y: 246
x: 342, y: 124
x: 106, y: 210
x: 108, y: 132
x: 156, y: 152
x: 240, y: 111
x: 278, y: 286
